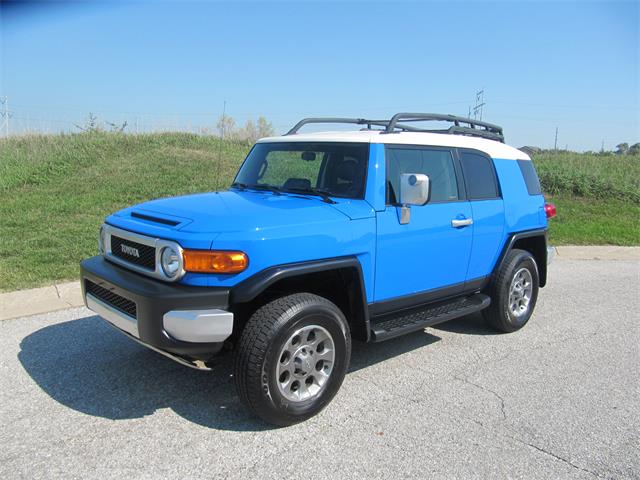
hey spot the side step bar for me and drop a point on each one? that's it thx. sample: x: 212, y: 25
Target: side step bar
x: 395, y: 325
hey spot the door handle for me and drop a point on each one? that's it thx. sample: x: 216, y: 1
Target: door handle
x: 459, y: 223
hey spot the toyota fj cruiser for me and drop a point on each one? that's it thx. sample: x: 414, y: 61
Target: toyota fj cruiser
x: 325, y: 237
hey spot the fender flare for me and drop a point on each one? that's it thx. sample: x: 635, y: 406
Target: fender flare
x: 509, y: 245
x: 250, y: 288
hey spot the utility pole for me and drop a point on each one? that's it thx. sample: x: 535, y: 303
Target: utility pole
x: 5, y: 115
x: 555, y: 144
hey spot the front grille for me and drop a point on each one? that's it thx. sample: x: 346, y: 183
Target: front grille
x: 126, y: 250
x: 114, y: 300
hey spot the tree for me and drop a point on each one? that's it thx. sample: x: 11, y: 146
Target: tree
x: 117, y: 128
x: 265, y: 129
x: 226, y: 126
x: 91, y: 124
x: 249, y: 132
x: 622, y: 148
x: 634, y: 149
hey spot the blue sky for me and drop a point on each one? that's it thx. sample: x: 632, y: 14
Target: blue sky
x: 574, y: 65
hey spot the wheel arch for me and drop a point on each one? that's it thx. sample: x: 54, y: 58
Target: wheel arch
x: 532, y: 241
x: 337, y: 279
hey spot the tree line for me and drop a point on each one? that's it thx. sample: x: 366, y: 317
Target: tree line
x: 226, y: 127
x: 250, y: 132
x: 625, y: 149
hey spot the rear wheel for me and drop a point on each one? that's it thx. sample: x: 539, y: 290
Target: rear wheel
x: 292, y: 358
x: 513, y: 292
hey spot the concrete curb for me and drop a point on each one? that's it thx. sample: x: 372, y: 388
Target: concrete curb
x: 24, y: 303
x: 603, y: 252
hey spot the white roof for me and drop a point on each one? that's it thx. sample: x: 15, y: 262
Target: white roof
x: 490, y: 147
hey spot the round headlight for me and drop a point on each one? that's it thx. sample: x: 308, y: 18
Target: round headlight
x: 170, y: 261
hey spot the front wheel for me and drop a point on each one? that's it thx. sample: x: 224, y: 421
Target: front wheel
x: 513, y: 292
x: 292, y: 358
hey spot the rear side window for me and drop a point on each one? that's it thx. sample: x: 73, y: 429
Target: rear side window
x: 479, y: 176
x: 530, y: 177
x: 437, y: 164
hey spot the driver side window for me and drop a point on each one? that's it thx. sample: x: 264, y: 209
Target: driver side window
x: 437, y: 164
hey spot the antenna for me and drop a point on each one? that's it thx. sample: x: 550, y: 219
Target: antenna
x: 224, y: 112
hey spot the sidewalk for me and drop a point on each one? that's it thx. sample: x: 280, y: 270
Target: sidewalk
x: 60, y: 296
x: 24, y: 303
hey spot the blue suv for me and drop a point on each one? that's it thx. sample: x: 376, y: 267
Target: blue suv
x: 323, y: 238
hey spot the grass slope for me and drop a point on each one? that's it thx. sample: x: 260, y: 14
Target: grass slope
x: 597, y: 196
x: 56, y: 190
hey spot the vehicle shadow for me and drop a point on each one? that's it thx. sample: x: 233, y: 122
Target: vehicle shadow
x: 472, y: 324
x: 90, y: 367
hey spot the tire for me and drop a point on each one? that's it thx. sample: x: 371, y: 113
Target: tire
x: 269, y: 361
x: 501, y: 314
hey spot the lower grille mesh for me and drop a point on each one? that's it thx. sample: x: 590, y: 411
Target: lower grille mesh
x: 114, y: 300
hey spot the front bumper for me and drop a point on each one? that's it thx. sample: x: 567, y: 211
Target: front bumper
x: 187, y: 324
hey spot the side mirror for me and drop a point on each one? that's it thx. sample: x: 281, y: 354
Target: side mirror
x: 414, y: 190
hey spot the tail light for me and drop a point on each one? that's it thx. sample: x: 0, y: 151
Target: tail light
x: 550, y: 210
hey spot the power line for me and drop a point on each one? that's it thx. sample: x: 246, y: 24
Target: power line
x: 280, y: 113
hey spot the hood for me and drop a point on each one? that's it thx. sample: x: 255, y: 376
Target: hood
x: 233, y: 211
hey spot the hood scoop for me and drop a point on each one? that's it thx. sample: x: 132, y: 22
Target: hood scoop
x: 151, y: 218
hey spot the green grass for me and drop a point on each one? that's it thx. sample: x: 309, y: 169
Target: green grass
x: 587, y: 175
x: 56, y: 190
x: 597, y: 197
x: 584, y: 221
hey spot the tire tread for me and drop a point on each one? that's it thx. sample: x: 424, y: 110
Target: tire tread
x: 254, y: 344
x: 500, y: 284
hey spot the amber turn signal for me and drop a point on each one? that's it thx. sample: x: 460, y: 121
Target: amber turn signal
x: 212, y: 261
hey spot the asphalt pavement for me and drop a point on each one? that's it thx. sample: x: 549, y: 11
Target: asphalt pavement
x: 558, y: 399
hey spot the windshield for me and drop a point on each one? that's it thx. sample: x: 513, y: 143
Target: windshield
x: 336, y: 169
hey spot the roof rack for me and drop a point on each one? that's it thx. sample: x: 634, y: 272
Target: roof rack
x: 397, y: 124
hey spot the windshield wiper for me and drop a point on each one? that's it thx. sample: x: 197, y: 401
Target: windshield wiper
x: 240, y: 185
x: 322, y: 193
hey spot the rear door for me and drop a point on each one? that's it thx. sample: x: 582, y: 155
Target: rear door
x: 487, y: 208
x: 428, y: 257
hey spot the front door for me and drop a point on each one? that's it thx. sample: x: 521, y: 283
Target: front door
x: 427, y: 257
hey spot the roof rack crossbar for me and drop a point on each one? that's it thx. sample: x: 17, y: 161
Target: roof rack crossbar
x: 461, y: 125
x: 356, y: 121
x: 419, y: 117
